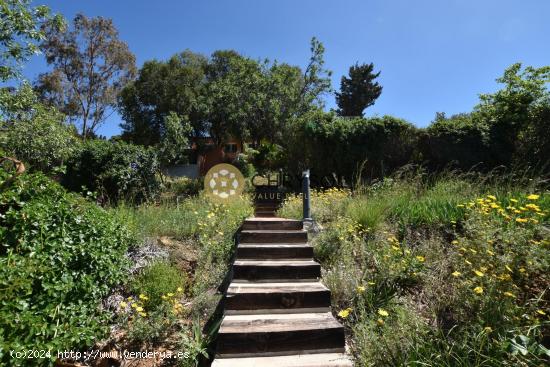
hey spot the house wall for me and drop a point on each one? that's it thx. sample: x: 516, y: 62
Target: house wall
x: 217, y: 155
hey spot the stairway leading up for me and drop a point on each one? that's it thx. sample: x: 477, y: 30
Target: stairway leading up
x: 277, y: 312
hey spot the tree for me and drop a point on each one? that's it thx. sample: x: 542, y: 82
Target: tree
x: 162, y: 87
x: 316, y: 79
x: 90, y: 67
x: 225, y: 95
x: 174, y: 140
x: 358, y: 91
x: 19, y: 34
x: 517, y: 116
x: 234, y: 95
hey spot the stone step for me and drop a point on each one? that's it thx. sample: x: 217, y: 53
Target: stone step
x: 276, y: 297
x: 271, y: 223
x: 280, y: 270
x: 296, y: 360
x: 274, y: 251
x: 272, y: 334
x: 272, y: 236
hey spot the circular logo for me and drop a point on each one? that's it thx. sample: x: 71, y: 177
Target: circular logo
x: 223, y: 182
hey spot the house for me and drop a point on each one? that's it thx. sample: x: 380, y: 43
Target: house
x: 207, y: 154
x: 204, y: 154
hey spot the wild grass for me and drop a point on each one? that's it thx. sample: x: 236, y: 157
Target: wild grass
x: 448, y: 270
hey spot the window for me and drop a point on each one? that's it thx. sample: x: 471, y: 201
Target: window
x: 230, y: 148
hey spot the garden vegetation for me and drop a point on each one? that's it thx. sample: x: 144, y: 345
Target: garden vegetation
x: 448, y: 271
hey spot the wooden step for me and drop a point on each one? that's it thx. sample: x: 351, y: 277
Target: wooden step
x: 297, y: 360
x: 276, y: 297
x: 268, y: 206
x: 281, y: 270
x: 274, y: 251
x: 293, y: 236
x: 271, y: 223
x: 265, y: 214
x: 272, y: 334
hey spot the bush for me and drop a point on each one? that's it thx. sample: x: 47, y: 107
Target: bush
x: 460, y: 141
x: 59, y: 256
x: 41, y: 140
x: 158, y: 282
x: 183, y: 186
x: 115, y: 170
x: 343, y: 149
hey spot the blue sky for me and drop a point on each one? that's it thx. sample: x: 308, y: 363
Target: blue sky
x: 435, y: 55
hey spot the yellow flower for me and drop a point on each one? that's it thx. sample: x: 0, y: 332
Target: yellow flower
x: 513, y: 200
x: 345, y: 313
x: 130, y: 298
x: 490, y: 252
x: 139, y: 309
x: 180, y: 289
x: 383, y: 312
x: 541, y: 312
x: 478, y: 290
x: 488, y: 329
x: 380, y: 322
x: 456, y: 274
x: 360, y: 289
x: 143, y: 297
x: 134, y: 305
x: 454, y: 242
x: 478, y: 273
x: 164, y: 297
x: 420, y: 258
x: 533, y: 197
x: 371, y: 283
x: 521, y: 220
x: 522, y: 270
x: 508, y: 294
x: 123, y: 304
x: 492, y: 197
x: 142, y: 314
x: 170, y: 294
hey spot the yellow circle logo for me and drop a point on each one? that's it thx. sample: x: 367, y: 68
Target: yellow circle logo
x: 223, y: 182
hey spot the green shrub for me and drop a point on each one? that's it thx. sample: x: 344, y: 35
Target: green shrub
x: 184, y: 186
x: 59, y: 256
x: 153, y: 328
x: 42, y: 140
x: 461, y: 141
x: 157, y: 281
x: 343, y: 149
x: 115, y: 170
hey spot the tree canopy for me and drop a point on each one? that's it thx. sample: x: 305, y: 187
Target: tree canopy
x: 358, y: 91
x: 90, y: 67
x: 226, y: 94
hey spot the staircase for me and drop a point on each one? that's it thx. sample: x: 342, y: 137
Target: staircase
x: 277, y: 312
x: 266, y: 209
